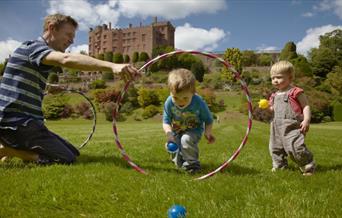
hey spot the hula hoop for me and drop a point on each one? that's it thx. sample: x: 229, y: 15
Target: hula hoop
x: 93, y: 110
x: 237, y: 77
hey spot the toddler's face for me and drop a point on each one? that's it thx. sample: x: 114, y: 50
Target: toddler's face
x: 182, y: 99
x: 281, y: 80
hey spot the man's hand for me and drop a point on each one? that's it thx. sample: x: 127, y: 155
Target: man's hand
x: 126, y: 72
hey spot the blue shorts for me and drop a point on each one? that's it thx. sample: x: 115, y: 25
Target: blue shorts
x: 36, y: 137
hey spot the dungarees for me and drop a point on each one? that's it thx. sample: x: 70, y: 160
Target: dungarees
x: 285, y: 136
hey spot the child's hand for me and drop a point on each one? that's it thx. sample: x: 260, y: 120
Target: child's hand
x: 304, y: 126
x: 210, y: 138
x: 170, y: 137
x: 263, y: 104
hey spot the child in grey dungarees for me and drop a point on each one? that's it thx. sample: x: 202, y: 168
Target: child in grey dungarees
x: 291, y: 121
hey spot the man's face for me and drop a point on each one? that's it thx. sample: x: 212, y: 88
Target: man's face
x: 63, y: 37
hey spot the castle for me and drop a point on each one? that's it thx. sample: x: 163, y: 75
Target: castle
x: 126, y: 41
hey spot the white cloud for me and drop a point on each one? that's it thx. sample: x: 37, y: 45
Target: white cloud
x: 85, y: 13
x: 90, y: 15
x: 264, y: 47
x: 308, y: 14
x: 311, y: 40
x: 78, y: 48
x: 191, y: 38
x: 170, y: 9
x: 7, y: 47
x: 330, y: 5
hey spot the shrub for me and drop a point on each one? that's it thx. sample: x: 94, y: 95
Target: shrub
x: 53, y: 78
x: 127, y: 108
x: 97, y: 84
x: 56, y: 107
x: 83, y: 109
x: 109, y: 107
x: 337, y: 112
x: 150, y: 111
x: 118, y: 58
x: 261, y: 115
x: 210, y: 98
x: 126, y: 59
x: 143, y: 57
x: 106, y: 95
x: 107, y: 76
x: 148, y: 97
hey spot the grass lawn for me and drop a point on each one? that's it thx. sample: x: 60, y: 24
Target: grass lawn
x: 101, y: 184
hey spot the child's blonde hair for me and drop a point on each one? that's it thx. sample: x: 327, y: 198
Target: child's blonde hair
x: 58, y: 20
x: 181, y: 80
x: 283, y: 67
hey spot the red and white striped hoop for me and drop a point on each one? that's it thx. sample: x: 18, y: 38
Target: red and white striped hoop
x: 210, y: 55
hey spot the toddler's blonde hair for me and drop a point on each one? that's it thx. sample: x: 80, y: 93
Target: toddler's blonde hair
x: 283, y: 67
x: 180, y: 80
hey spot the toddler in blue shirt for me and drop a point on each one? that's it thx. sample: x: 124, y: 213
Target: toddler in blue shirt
x: 186, y: 116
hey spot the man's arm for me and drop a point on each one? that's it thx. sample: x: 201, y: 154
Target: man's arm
x: 84, y: 62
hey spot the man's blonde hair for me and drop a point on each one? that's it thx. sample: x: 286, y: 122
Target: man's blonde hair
x: 283, y: 67
x: 58, y: 20
x: 181, y: 80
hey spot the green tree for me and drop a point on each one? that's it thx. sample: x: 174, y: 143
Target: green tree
x: 108, y: 56
x: 249, y: 58
x: 118, y: 58
x: 234, y: 57
x: 333, y: 41
x: 265, y: 59
x: 323, y: 61
x: 135, y: 57
x: 100, y: 56
x: 186, y: 61
x: 107, y: 76
x: 302, y: 66
x: 143, y: 57
x: 126, y: 59
x: 334, y: 81
x: 148, y: 97
x: 166, y: 63
x: 53, y: 78
x: 198, y: 70
x: 328, y: 54
x: 289, y: 52
x: 2, y: 67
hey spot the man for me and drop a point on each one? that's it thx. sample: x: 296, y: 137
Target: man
x: 22, y: 131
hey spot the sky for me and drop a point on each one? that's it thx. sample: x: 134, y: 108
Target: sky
x: 203, y: 25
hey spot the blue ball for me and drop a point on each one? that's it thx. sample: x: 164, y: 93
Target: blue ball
x: 172, y: 147
x: 176, y: 211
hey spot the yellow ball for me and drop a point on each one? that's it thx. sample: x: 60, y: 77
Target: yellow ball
x: 263, y: 104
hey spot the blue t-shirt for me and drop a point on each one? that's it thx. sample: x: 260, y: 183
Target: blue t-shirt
x: 191, y: 118
x: 23, y: 84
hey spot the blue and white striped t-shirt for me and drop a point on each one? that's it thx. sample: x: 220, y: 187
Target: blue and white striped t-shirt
x: 23, y: 83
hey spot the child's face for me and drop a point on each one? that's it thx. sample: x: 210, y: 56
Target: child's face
x: 182, y: 99
x: 281, y: 80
